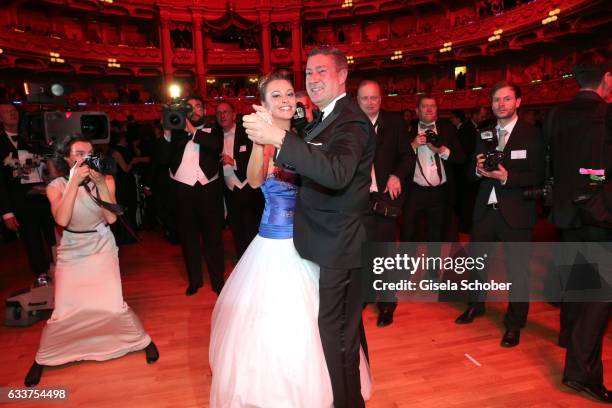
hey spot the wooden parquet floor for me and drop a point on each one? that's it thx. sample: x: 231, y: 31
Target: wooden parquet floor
x: 421, y: 360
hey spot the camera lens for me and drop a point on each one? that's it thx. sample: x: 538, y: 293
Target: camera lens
x: 174, y: 119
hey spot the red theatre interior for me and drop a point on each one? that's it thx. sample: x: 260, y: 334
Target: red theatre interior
x: 149, y: 104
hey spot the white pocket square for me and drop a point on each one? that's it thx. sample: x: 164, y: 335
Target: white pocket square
x: 315, y: 144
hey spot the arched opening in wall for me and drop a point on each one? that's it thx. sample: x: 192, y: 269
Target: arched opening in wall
x: 93, y: 70
x: 470, y: 52
x: 361, y: 10
x: 66, y: 69
x: 149, y: 72
x: 526, y: 39
x: 120, y: 72
x: 232, y: 86
x: 29, y: 64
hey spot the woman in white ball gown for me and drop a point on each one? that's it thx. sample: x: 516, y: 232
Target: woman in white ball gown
x: 265, y: 349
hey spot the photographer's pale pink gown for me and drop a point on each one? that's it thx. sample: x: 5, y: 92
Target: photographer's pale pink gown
x: 90, y: 320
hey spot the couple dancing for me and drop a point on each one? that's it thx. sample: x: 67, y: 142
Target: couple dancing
x: 286, y: 327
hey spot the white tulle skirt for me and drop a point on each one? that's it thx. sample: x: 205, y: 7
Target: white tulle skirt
x: 265, y: 349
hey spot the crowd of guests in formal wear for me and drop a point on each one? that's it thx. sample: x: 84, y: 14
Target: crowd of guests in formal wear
x: 193, y: 182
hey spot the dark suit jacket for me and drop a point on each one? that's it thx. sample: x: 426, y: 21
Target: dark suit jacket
x: 8, y: 184
x: 577, y: 135
x: 211, y: 147
x: 335, y: 162
x: 522, y: 173
x: 242, y: 157
x: 392, y: 149
x: 467, y: 135
x: 448, y: 135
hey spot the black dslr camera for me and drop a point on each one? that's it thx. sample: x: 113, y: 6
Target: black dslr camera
x: 546, y: 191
x: 433, y: 138
x: 104, y: 165
x: 175, y: 114
x: 493, y: 157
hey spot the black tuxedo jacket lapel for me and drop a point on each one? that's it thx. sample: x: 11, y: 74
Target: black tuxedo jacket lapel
x: 327, y: 120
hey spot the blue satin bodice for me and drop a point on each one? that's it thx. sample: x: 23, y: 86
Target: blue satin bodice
x: 280, y: 192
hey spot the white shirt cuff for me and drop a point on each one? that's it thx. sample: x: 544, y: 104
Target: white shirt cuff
x: 167, y: 135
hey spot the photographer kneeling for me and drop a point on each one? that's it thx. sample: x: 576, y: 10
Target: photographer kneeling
x: 90, y: 320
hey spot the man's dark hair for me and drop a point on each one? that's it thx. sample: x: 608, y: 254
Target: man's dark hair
x: 196, y: 98
x: 420, y: 99
x: 590, y: 68
x: 335, y: 53
x: 506, y: 84
x: 459, y: 114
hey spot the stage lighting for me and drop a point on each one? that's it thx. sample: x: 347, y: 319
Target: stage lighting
x: 174, y: 91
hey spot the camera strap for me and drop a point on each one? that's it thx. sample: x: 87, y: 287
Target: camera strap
x: 114, y: 208
x: 438, y: 164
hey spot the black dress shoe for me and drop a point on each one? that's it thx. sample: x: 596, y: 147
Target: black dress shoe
x: 152, y: 353
x: 33, y: 376
x: 511, y: 338
x: 470, y: 313
x: 599, y: 392
x: 192, y: 290
x: 385, y: 318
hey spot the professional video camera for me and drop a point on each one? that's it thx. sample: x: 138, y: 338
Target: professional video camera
x: 493, y: 156
x: 175, y: 114
x: 38, y: 131
x: 433, y: 138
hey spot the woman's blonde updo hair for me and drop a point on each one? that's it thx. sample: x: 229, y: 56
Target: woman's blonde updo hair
x: 275, y: 75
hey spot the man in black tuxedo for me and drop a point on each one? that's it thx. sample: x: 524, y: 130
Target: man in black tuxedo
x: 193, y: 156
x: 244, y: 203
x: 501, y: 213
x: 391, y: 163
x: 580, y: 138
x: 430, y: 184
x: 335, y: 163
x: 23, y: 206
x: 466, y: 191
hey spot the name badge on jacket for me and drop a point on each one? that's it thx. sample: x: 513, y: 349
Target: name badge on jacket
x: 518, y: 154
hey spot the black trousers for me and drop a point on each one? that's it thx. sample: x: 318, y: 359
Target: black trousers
x: 36, y: 226
x: 245, y: 206
x: 381, y: 229
x: 494, y: 228
x: 431, y: 203
x: 200, y: 214
x: 583, y: 324
x: 341, y: 327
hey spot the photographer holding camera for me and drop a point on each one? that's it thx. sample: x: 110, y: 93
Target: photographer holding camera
x: 90, y: 320
x: 194, y: 158
x: 431, y: 184
x: 23, y: 205
x: 579, y: 136
x: 501, y: 213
